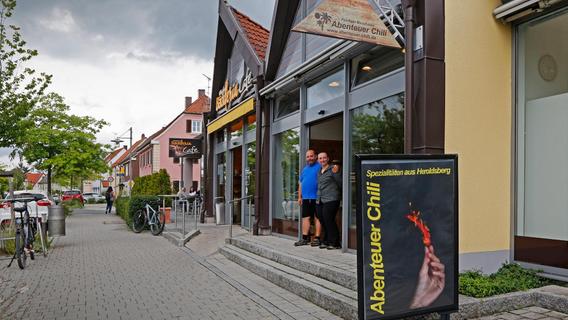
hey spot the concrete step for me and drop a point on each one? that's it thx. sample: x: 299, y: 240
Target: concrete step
x: 331, y: 296
x: 325, y: 271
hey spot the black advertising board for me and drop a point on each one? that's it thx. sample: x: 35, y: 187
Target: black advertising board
x: 186, y: 148
x: 407, y: 232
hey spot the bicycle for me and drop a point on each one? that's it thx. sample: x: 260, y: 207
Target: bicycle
x: 26, y: 228
x: 148, y: 216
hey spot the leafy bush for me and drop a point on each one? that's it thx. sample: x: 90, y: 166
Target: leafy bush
x: 91, y: 201
x: 121, y: 204
x: 509, y: 278
x: 101, y: 201
x: 69, y: 205
x: 155, y: 184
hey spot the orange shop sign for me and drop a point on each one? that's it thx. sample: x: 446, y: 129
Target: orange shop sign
x: 227, y: 95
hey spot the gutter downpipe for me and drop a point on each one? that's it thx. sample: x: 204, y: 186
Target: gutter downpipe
x: 409, y: 12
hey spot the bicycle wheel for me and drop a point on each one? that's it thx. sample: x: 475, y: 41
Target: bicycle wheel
x: 158, y: 223
x: 138, y: 221
x: 20, y: 252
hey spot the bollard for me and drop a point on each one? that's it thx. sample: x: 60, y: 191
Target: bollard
x: 56, y: 220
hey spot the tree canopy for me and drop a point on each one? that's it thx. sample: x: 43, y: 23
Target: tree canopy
x: 20, y: 85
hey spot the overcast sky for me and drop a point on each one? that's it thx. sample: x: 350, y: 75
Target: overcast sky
x: 129, y: 62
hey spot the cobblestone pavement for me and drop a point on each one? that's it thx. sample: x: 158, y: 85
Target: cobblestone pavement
x: 528, y: 313
x: 100, y: 270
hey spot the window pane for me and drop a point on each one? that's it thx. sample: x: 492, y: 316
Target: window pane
x: 377, y: 127
x: 326, y: 88
x: 375, y: 63
x: 250, y: 183
x: 542, y: 115
x: 221, y: 175
x: 236, y: 129
x: 286, y: 175
x: 287, y: 104
x: 251, y: 121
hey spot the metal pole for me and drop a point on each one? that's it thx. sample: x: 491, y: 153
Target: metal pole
x: 409, y: 8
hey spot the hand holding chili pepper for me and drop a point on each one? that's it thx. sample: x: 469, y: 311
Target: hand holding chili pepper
x: 431, y: 280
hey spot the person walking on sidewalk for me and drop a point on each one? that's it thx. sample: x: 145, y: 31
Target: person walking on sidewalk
x: 109, y: 197
x: 328, y: 197
x: 307, y: 193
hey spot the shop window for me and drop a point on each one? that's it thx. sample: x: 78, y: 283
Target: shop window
x: 251, y: 121
x: 287, y: 104
x: 286, y: 175
x: 376, y: 128
x: 375, y: 63
x: 236, y: 129
x: 221, y: 175
x: 542, y: 150
x: 326, y: 88
x: 220, y: 136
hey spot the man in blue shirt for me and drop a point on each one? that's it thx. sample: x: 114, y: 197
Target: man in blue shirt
x: 307, y: 195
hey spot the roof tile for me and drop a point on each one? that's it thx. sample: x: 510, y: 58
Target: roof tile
x: 256, y: 34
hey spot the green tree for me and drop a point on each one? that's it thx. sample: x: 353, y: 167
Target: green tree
x: 20, y: 86
x: 59, y: 142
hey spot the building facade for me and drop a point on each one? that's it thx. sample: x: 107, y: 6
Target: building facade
x: 492, y: 84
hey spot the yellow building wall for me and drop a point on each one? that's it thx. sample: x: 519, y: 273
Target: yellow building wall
x: 479, y: 121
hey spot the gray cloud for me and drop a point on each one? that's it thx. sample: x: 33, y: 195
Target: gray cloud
x: 146, y: 30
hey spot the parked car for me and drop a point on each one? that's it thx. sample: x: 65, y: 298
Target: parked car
x: 36, y: 208
x: 93, y: 195
x: 72, y: 194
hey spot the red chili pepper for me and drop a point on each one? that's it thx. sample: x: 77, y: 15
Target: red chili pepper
x: 414, y: 216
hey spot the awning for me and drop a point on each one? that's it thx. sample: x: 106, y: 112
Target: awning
x: 233, y: 114
x: 516, y: 9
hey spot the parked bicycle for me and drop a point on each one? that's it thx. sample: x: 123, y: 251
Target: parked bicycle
x: 26, y: 228
x: 156, y: 220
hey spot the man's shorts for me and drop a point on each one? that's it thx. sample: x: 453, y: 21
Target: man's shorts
x: 308, y: 208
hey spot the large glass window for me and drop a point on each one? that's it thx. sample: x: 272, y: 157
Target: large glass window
x: 221, y: 174
x: 542, y: 114
x: 286, y: 175
x: 376, y: 128
x: 250, y: 184
x: 236, y: 129
x: 287, y: 104
x: 375, y: 63
x: 326, y: 88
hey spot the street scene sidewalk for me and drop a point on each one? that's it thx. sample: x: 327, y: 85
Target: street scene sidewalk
x: 101, y: 270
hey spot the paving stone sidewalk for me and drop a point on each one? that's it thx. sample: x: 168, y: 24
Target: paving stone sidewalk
x: 100, y: 270
x: 528, y: 313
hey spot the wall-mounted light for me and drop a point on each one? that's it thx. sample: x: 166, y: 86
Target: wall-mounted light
x: 366, y: 68
x: 334, y: 84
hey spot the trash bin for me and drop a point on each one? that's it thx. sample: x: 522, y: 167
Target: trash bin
x: 220, y: 212
x: 56, y: 220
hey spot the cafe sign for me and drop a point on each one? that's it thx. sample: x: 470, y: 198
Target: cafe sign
x: 233, y: 92
x: 348, y: 19
x: 186, y: 148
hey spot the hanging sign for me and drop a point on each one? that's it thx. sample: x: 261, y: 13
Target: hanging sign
x: 234, y: 92
x: 186, y: 148
x: 407, y: 232
x: 347, y: 19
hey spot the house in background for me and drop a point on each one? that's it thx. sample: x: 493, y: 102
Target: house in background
x: 125, y: 168
x: 153, y: 154
x: 33, y: 181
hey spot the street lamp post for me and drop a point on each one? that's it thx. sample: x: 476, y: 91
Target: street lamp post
x: 118, y: 139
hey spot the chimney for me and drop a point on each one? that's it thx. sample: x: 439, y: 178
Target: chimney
x: 188, y: 101
x: 200, y: 93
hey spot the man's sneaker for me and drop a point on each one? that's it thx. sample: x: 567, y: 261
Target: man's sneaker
x: 302, y: 242
x: 316, y: 242
x: 323, y: 246
x: 334, y: 247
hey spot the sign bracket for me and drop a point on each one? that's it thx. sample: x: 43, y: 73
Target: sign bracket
x: 391, y: 18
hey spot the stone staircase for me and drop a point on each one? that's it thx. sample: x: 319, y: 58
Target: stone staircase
x: 327, y: 278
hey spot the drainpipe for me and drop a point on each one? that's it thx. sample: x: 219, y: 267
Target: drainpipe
x: 409, y: 21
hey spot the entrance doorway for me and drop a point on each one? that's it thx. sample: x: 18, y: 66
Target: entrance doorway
x: 327, y: 136
x: 237, y: 166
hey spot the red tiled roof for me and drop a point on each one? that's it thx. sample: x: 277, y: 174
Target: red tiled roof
x: 200, y: 105
x: 33, y: 178
x: 112, y: 154
x: 256, y: 34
